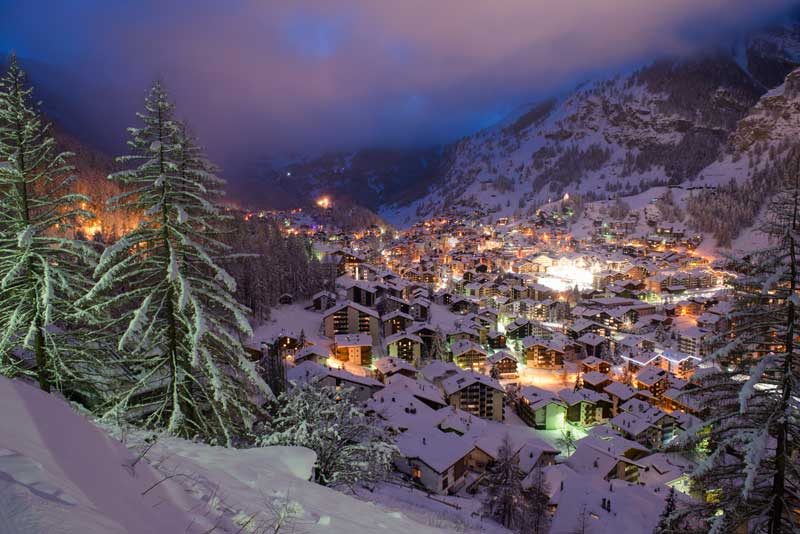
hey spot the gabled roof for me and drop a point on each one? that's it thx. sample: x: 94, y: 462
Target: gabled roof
x: 352, y: 340
x: 438, y: 450
x: 592, y: 339
x: 501, y: 355
x: 393, y: 365
x: 649, y: 375
x: 394, y: 338
x: 464, y: 379
x: 465, y: 345
x: 350, y: 304
x: 594, y: 378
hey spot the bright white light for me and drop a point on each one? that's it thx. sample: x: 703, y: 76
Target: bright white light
x: 562, y: 278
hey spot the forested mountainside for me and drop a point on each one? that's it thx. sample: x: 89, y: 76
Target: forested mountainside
x: 371, y: 177
x: 662, y: 124
x: 759, y: 151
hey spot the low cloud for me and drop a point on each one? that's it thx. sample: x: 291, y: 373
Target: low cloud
x: 261, y: 77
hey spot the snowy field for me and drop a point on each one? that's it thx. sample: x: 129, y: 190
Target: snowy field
x: 61, y: 474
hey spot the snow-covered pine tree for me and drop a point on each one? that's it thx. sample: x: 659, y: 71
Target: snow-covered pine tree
x: 42, y: 270
x: 439, y: 350
x: 504, y: 490
x: 535, y: 512
x: 351, y: 446
x: 664, y: 521
x: 180, y: 328
x: 751, y: 433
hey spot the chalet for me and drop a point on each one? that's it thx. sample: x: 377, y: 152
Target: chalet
x: 541, y: 353
x: 434, y: 459
x: 420, y: 309
x: 395, y: 322
x: 590, y: 364
x: 638, y: 429
x: 476, y: 394
x: 644, y: 423
x: 323, y: 300
x: 464, y: 333
x: 353, y: 348
x: 388, y: 303
x: 406, y: 346
x: 595, y: 381
x: 593, y: 345
x: 584, y: 326
x: 679, y: 364
x: 682, y: 400
x: 285, y: 299
x: 427, y: 333
x: 469, y: 355
x: 362, y: 293
x: 313, y: 353
x: 653, y: 379
x: 427, y: 393
x: 351, y: 318
x: 541, y: 409
x: 694, y: 341
x: 585, y: 407
x: 496, y: 340
x: 503, y: 364
x: 390, y: 366
x: 462, y: 305
x: 363, y: 387
x: 607, y: 457
x: 620, y: 393
x: 637, y: 360
x: 519, y: 328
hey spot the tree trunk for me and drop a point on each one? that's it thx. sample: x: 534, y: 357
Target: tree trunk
x: 775, y: 525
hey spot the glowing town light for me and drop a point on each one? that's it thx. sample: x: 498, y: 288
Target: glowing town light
x: 562, y: 278
x: 324, y: 202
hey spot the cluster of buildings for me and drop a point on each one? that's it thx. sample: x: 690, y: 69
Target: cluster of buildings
x: 458, y: 333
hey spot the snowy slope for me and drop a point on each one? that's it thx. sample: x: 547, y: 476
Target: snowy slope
x: 61, y: 474
x: 663, y: 124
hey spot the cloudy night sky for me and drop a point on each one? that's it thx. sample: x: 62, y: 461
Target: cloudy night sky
x: 264, y: 77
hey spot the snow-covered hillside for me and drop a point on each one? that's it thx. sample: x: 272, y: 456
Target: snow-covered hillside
x: 663, y: 124
x: 61, y: 474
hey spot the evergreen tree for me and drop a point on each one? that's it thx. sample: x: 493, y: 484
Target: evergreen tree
x: 751, y: 434
x: 351, y: 446
x: 665, y: 521
x: 439, y: 350
x: 535, y: 513
x: 566, y: 441
x: 181, y: 328
x: 504, y: 486
x: 42, y: 270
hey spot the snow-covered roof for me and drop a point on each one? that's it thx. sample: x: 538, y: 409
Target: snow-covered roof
x: 620, y: 390
x: 631, y: 509
x: 419, y: 388
x: 538, y: 397
x: 465, y: 379
x: 649, y: 375
x: 438, y: 450
x: 391, y: 365
x: 590, y: 338
x: 308, y: 370
x: 595, y: 378
x: 572, y: 397
x: 350, y: 304
x: 465, y: 345
x: 353, y: 340
x: 394, y: 338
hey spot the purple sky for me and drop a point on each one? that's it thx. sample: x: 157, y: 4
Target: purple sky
x: 261, y: 77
